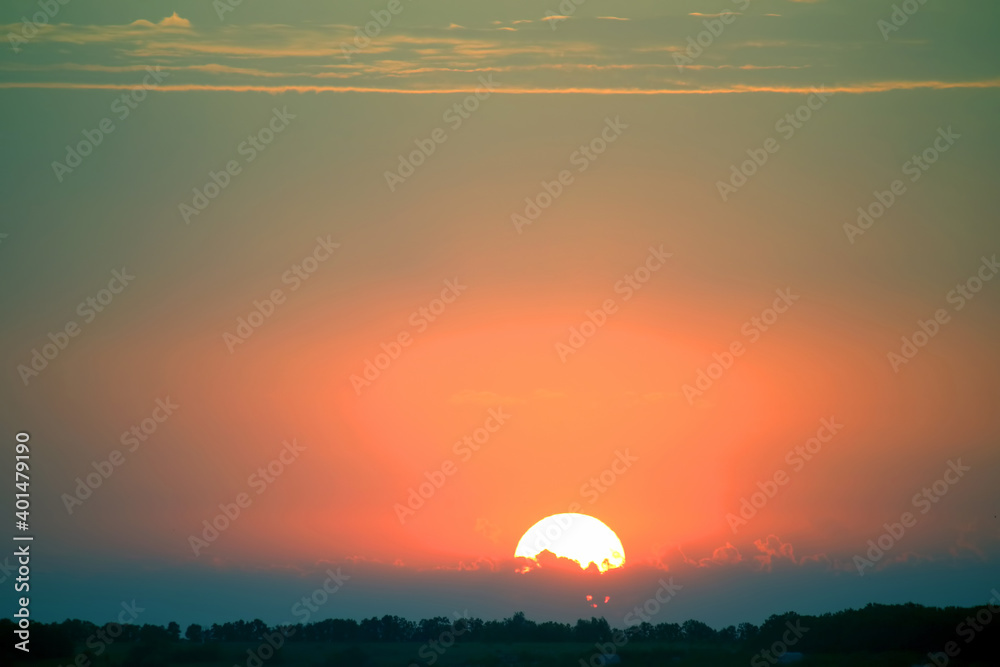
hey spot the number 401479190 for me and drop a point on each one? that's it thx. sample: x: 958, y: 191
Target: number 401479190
x: 22, y: 455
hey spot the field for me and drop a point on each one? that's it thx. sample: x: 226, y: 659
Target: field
x: 405, y: 654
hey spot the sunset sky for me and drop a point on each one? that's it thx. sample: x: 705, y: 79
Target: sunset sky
x: 697, y: 208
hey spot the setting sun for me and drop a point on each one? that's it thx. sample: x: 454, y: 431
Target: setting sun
x: 577, y: 537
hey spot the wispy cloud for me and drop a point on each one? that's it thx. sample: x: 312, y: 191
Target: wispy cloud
x: 729, y: 90
x: 410, y: 59
x: 172, y: 21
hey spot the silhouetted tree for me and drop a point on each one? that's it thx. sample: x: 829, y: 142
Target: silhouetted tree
x: 668, y: 632
x: 697, y: 631
x: 594, y: 630
x: 153, y: 633
x: 746, y: 632
x: 396, y: 629
x: 727, y: 634
x: 432, y: 628
x: 640, y: 633
x: 872, y: 630
x: 193, y: 633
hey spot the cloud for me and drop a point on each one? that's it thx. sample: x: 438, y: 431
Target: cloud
x: 724, y: 555
x: 970, y: 540
x: 773, y: 550
x: 175, y: 21
x: 436, y: 59
x: 858, y: 89
x: 764, y: 555
x: 172, y: 21
x: 546, y: 560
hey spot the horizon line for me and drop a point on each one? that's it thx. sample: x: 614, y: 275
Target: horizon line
x: 876, y: 87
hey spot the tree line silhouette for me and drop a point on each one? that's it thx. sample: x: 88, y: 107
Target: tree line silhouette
x: 874, y: 628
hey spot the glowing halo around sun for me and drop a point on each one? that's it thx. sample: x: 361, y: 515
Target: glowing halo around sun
x: 575, y: 536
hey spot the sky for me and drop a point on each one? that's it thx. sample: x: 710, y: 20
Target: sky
x: 389, y: 287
